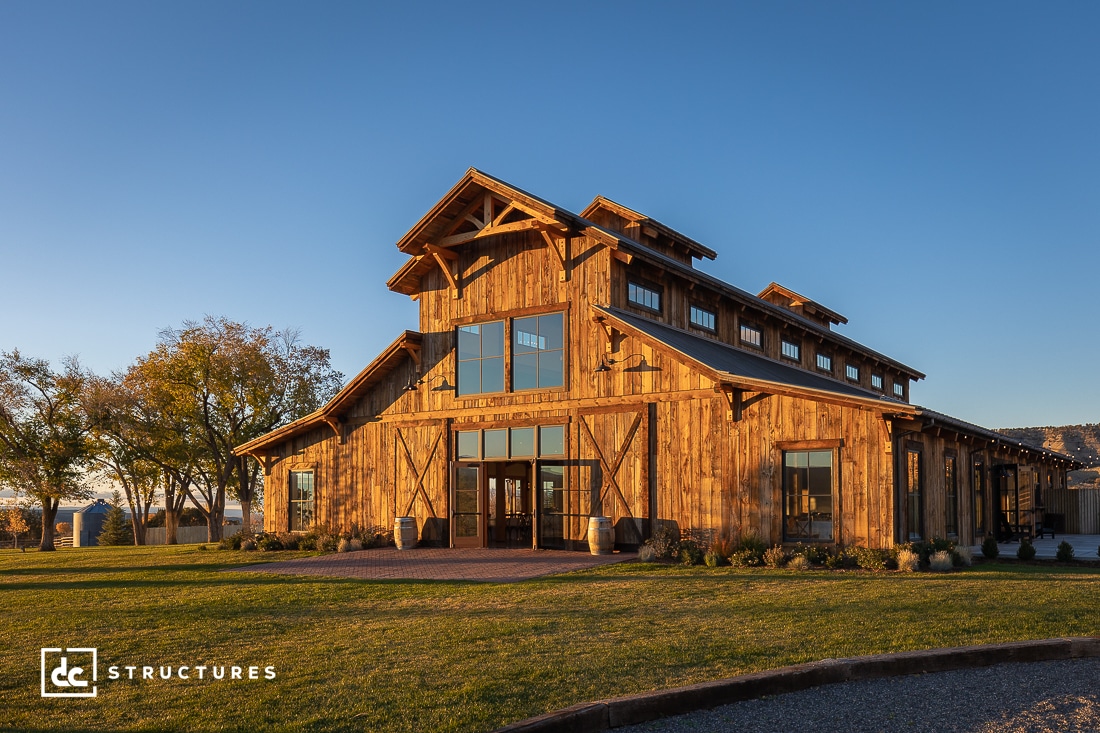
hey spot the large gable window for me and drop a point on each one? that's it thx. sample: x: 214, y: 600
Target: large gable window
x: 538, y: 348
x: 481, y: 358
x: 301, y: 500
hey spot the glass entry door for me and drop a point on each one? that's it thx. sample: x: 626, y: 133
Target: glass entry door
x: 467, y: 506
x: 509, y: 507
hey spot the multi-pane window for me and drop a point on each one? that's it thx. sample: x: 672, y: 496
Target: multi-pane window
x: 791, y: 350
x: 899, y: 389
x: 537, y: 355
x: 852, y: 372
x: 825, y: 363
x: 505, y: 443
x: 538, y: 352
x: 978, y: 486
x: 876, y: 381
x: 702, y: 318
x: 951, y: 495
x: 481, y: 358
x: 301, y: 500
x: 914, y: 488
x: 752, y: 335
x: 643, y: 296
x: 808, y: 495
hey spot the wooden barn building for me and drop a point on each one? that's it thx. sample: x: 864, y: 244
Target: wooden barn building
x: 574, y: 365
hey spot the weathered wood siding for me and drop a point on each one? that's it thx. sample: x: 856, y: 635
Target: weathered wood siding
x: 1080, y: 507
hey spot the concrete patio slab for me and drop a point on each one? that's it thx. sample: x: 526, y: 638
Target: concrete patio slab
x: 1046, y: 548
x: 430, y: 563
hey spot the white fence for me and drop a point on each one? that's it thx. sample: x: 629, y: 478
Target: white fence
x: 186, y: 535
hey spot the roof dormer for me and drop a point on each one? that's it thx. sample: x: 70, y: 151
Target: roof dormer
x: 646, y: 231
x: 800, y: 304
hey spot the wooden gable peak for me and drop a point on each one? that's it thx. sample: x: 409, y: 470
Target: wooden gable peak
x: 477, y: 207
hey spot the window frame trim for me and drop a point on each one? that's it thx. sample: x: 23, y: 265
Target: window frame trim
x: 834, y: 446
x: 652, y: 287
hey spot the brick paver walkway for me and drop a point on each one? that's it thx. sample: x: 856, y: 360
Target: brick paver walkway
x: 429, y: 563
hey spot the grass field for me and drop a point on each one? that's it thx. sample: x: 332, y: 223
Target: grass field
x: 442, y: 656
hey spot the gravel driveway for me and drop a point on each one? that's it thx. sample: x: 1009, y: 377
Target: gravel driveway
x: 1006, y: 698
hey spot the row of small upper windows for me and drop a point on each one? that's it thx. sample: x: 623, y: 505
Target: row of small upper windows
x: 753, y: 336
x: 536, y: 356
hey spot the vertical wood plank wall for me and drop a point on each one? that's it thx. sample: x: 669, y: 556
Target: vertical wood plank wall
x: 711, y: 473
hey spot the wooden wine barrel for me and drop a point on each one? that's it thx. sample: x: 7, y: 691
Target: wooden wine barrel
x: 404, y: 532
x: 601, y: 536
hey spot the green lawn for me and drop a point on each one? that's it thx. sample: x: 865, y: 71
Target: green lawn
x: 436, y: 656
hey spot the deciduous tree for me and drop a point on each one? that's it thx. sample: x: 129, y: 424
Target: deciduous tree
x: 224, y: 383
x: 44, y: 446
x: 14, y: 523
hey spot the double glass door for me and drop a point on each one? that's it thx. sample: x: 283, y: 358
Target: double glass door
x: 492, y: 504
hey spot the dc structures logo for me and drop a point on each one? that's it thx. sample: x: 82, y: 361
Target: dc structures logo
x: 69, y: 672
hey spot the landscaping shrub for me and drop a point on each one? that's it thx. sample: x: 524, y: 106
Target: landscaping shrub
x: 355, y: 544
x: 941, y: 561
x: 646, y: 553
x: 908, y: 560
x: 990, y: 549
x: 841, y: 559
x: 748, y: 551
x: 343, y: 545
x: 712, y: 559
x: 1065, y: 551
x: 745, y: 559
x: 1027, y: 550
x: 799, y: 562
x: 690, y: 553
x: 722, y: 547
x: 775, y: 557
x: 815, y: 554
x: 751, y: 542
x: 268, y: 543
x: 871, y: 559
x: 376, y: 537
x: 665, y: 543
x: 289, y: 540
x: 233, y: 542
x: 962, y: 557
x: 248, y: 544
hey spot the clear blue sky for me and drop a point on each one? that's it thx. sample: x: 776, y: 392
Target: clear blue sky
x: 930, y: 170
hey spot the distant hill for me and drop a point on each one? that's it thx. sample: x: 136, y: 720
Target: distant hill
x: 1080, y: 441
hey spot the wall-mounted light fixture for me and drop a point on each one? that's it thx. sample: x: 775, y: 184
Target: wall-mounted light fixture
x: 442, y: 387
x: 606, y: 362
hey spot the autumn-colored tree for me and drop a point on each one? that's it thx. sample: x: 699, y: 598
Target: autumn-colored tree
x: 63, y: 528
x: 44, y: 446
x: 221, y: 384
x: 14, y: 523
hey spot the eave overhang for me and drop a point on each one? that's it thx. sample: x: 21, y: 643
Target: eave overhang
x: 406, y: 346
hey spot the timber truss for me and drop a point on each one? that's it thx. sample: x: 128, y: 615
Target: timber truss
x: 490, y: 215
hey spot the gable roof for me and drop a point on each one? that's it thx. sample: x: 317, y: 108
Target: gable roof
x: 694, y: 248
x: 725, y: 363
x: 470, y: 189
x: 811, y: 306
x: 403, y: 347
